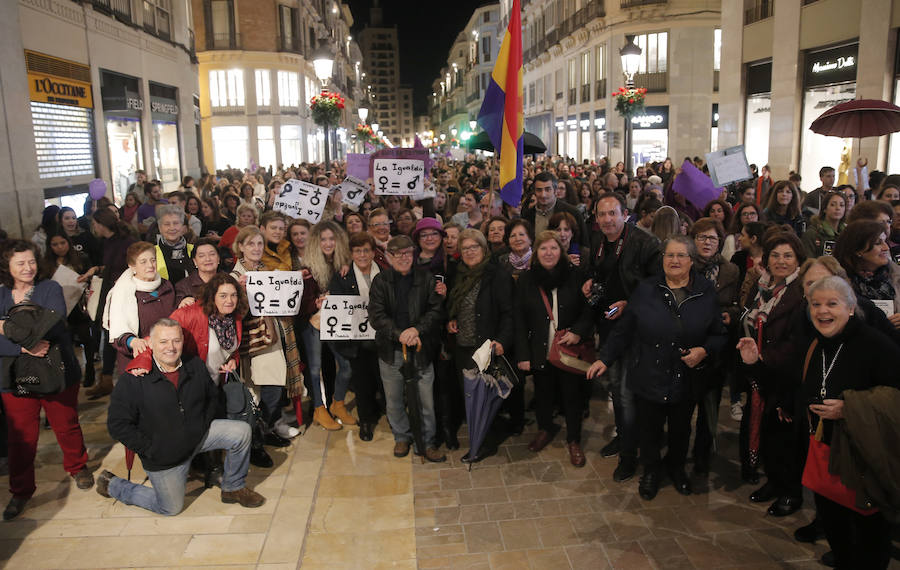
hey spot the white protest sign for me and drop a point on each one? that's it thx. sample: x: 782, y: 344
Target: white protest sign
x: 299, y: 199
x: 353, y: 191
x: 274, y: 293
x: 427, y: 192
x: 345, y: 317
x: 886, y: 305
x: 729, y: 165
x: 72, y: 289
x: 398, y: 176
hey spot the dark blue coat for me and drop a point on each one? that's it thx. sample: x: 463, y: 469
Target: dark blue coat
x: 656, y: 328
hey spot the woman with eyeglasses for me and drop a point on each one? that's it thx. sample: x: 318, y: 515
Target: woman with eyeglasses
x: 674, y: 321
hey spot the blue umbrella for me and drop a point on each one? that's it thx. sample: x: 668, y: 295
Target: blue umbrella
x: 484, y: 393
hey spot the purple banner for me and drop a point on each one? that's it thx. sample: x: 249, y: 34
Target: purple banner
x: 697, y: 187
x: 358, y: 166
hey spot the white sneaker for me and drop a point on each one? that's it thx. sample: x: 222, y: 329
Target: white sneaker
x: 737, y: 412
x: 286, y: 431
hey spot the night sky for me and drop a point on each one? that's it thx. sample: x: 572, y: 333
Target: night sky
x: 426, y: 30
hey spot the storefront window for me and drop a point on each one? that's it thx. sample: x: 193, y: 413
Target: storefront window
x: 818, y: 150
x: 600, y: 146
x: 650, y: 135
x: 291, y: 147
x: 165, y: 154
x: 230, y: 147
x: 756, y: 133
x: 264, y: 134
x: 894, y: 154
x: 125, y: 154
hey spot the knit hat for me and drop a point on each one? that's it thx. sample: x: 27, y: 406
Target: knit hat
x: 427, y: 224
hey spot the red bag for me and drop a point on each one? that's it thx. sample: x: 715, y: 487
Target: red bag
x: 574, y: 358
x: 816, y: 476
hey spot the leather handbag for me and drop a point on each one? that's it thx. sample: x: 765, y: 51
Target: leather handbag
x: 816, y: 476
x: 574, y: 358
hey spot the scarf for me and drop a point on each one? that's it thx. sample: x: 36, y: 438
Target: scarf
x: 876, y: 286
x: 466, y: 278
x: 122, y: 297
x: 709, y: 268
x: 552, y: 279
x: 225, y: 329
x: 520, y: 262
x: 128, y: 212
x: 767, y: 298
x: 361, y: 279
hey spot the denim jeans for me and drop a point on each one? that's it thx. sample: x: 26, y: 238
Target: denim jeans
x: 166, y: 497
x: 624, y: 409
x: 394, y: 395
x: 313, y: 347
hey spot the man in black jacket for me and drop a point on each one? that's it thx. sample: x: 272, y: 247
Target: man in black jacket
x: 621, y: 256
x: 405, y: 309
x: 166, y: 417
x: 547, y: 204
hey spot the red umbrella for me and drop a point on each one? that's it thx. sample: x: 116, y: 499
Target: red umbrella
x: 858, y: 119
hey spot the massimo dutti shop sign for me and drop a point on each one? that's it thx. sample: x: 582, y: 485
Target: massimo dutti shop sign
x: 835, y: 65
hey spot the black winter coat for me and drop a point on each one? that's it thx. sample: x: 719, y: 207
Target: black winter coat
x: 657, y: 328
x: 160, y: 423
x: 533, y: 324
x: 641, y: 257
x: 425, y: 314
x: 494, y: 307
x: 529, y: 213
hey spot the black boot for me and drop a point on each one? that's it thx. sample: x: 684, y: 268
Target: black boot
x: 449, y: 435
x: 89, y: 374
x: 810, y: 533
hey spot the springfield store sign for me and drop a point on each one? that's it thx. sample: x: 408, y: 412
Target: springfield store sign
x: 62, y: 91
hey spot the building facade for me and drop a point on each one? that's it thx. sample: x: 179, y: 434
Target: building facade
x: 457, y: 94
x: 391, y: 101
x: 572, y: 65
x: 94, y: 89
x: 791, y: 61
x: 256, y: 79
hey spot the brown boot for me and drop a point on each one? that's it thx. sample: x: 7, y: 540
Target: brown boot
x: 339, y: 411
x: 324, y: 419
x: 246, y: 497
x: 102, y: 388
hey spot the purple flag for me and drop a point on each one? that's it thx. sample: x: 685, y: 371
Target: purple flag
x: 358, y: 165
x: 428, y: 161
x: 695, y: 186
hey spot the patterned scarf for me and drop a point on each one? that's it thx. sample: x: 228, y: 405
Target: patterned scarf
x: 767, y: 297
x: 466, y: 279
x: 876, y: 286
x: 709, y: 268
x: 225, y: 329
x: 520, y: 262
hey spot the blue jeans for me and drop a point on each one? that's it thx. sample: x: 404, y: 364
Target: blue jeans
x: 394, y: 396
x: 624, y: 409
x: 166, y: 497
x: 313, y: 347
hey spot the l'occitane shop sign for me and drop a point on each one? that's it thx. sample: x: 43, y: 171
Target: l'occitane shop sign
x: 62, y: 91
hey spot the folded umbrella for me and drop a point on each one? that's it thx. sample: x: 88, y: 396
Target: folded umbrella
x: 413, y: 402
x: 484, y: 393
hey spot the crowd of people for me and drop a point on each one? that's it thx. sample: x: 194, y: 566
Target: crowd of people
x: 683, y: 303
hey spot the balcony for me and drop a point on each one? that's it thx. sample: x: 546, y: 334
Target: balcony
x: 761, y: 10
x: 228, y: 110
x: 573, y: 96
x: 600, y: 89
x: 638, y: 3
x: 473, y: 97
x: 289, y: 109
x: 290, y: 44
x: 119, y: 9
x: 553, y: 37
x: 223, y: 41
x: 716, y: 80
x: 586, y: 93
x: 656, y: 82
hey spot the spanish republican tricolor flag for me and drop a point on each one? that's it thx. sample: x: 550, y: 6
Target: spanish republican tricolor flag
x: 502, y: 114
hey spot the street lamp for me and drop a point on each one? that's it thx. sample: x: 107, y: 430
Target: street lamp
x: 374, y: 127
x: 631, y: 62
x: 473, y: 124
x: 363, y: 113
x: 323, y: 63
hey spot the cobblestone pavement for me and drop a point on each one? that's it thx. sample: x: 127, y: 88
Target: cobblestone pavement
x: 336, y: 502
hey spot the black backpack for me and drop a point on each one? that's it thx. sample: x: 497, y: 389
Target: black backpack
x: 239, y: 403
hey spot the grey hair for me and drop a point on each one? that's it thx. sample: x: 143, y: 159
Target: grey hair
x: 838, y: 285
x: 477, y: 237
x: 165, y: 322
x: 169, y: 210
x: 684, y: 240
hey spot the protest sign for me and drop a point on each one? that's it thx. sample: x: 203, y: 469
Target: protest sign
x: 358, y: 165
x: 274, y: 293
x: 729, y: 165
x: 345, y: 317
x: 299, y: 199
x: 398, y: 176
x: 72, y: 289
x: 353, y: 191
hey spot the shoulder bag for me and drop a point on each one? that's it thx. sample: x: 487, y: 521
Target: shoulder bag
x: 574, y: 358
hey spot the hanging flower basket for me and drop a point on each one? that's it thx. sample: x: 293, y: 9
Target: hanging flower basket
x: 326, y: 108
x: 364, y: 132
x: 630, y: 102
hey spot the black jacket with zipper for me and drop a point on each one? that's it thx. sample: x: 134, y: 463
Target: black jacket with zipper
x: 657, y: 328
x: 494, y: 307
x: 425, y: 314
x: 160, y: 423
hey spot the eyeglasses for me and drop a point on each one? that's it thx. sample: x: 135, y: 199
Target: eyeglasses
x: 381, y: 225
x: 470, y: 248
x: 405, y: 254
x: 679, y: 256
x: 707, y: 239
x: 429, y: 234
